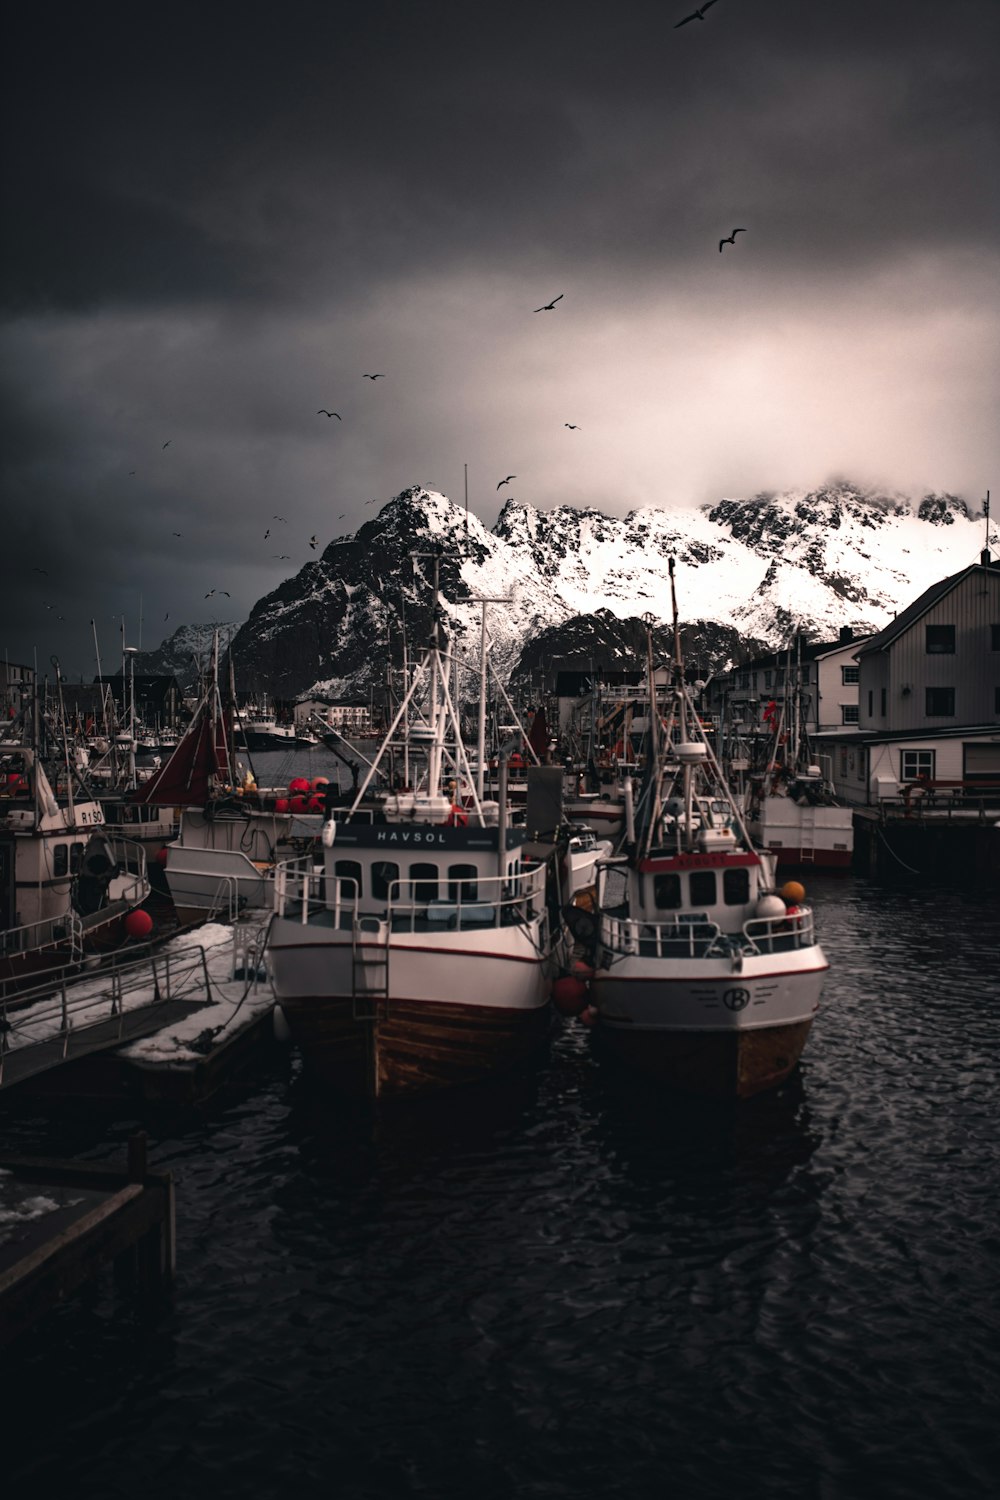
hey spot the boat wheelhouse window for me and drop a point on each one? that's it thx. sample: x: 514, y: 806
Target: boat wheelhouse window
x: 424, y: 882
x: 736, y: 887
x: 703, y: 888
x: 75, y: 857
x: 349, y: 869
x: 385, y: 880
x: 462, y: 884
x: 60, y: 859
x: 667, y: 891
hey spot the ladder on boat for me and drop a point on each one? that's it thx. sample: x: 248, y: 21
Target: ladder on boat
x: 369, y: 967
x: 807, y: 836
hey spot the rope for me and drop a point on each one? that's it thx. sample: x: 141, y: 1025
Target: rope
x: 895, y: 855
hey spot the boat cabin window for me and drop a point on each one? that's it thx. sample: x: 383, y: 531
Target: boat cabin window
x: 349, y: 869
x: 385, y: 880
x: 462, y: 884
x: 736, y: 887
x: 75, y: 857
x: 424, y: 882
x: 60, y: 859
x: 667, y: 891
x: 703, y: 888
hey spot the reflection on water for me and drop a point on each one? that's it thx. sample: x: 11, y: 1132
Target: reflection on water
x: 566, y: 1284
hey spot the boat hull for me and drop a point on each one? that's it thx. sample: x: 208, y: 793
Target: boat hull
x: 452, y: 1013
x: 721, y: 1035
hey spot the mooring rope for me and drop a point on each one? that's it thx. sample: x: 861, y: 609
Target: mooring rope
x: 895, y: 855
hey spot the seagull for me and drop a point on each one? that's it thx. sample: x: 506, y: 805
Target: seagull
x: 267, y: 533
x: 324, y: 413
x: 506, y: 481
x: 342, y: 516
x: 281, y: 556
x: 696, y: 15
x: 210, y: 593
x: 279, y: 518
x: 41, y: 570
x: 373, y: 377
x: 571, y: 425
x: 372, y: 502
x: 731, y: 240
x: 548, y: 306
x: 178, y: 533
x: 168, y: 442
x: 166, y: 617
x: 313, y: 543
x: 226, y: 592
x: 131, y: 472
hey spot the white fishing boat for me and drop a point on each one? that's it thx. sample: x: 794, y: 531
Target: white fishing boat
x: 67, y: 886
x: 705, y: 977
x: 420, y: 954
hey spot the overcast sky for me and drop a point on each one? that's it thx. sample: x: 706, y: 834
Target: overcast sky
x: 219, y: 217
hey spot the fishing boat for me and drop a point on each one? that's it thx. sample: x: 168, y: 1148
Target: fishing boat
x: 67, y: 886
x: 704, y: 976
x: 420, y: 954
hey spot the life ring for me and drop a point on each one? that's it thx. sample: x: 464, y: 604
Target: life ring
x: 457, y: 818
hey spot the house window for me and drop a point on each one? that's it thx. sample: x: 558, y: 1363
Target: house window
x: 385, y: 880
x: 848, y: 713
x: 736, y: 887
x: 940, y: 703
x: 805, y: 673
x: 916, y: 763
x: 667, y: 892
x: 424, y: 882
x: 882, y: 701
x: 703, y: 888
x: 871, y: 702
x: 849, y: 675
x: 349, y: 871
x: 995, y: 637
x: 767, y: 679
x: 940, y: 640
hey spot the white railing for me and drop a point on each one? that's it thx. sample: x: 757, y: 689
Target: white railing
x: 696, y: 936
x: 65, y: 930
x: 303, y: 890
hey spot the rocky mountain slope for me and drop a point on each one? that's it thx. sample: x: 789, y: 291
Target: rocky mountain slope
x: 578, y: 581
x: 185, y: 654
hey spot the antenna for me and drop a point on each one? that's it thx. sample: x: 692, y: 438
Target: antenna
x: 466, y: 499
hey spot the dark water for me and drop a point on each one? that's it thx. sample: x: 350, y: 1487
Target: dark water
x: 568, y: 1287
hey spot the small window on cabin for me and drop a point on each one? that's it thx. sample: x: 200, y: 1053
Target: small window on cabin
x: 940, y: 703
x: 940, y: 640
x: 667, y: 891
x: 424, y: 882
x: 462, y: 884
x: 349, y: 871
x: 60, y: 859
x: 385, y: 880
x: 75, y: 857
x: 736, y: 887
x: 703, y: 888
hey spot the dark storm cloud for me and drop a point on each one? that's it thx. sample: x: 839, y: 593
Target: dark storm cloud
x: 218, y: 216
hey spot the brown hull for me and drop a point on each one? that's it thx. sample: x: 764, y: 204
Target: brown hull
x: 714, y: 1065
x: 400, y: 1047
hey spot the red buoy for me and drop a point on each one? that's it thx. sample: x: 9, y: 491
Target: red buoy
x: 569, y: 995
x: 138, y: 923
x: 298, y: 784
x: 319, y: 781
x: 281, y: 804
x: 298, y: 803
x: 317, y: 802
x: 590, y: 1015
x: 162, y: 855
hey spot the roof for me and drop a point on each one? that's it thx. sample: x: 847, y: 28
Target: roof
x: 913, y: 612
x: 808, y: 651
x: 889, y: 736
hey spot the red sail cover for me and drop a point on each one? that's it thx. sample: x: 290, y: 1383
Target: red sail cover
x: 194, y: 771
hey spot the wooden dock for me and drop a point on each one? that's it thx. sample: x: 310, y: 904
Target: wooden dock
x: 76, y: 1222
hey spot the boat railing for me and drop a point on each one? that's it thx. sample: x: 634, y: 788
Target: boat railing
x: 303, y: 890
x: 65, y: 929
x: 781, y: 934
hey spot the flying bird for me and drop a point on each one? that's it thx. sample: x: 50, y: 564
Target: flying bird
x: 324, y: 413
x: 373, y: 377
x: 267, y: 533
x: 226, y: 592
x: 571, y: 425
x: 210, y: 593
x: 731, y: 240
x: 313, y: 543
x: 166, y: 617
x: 342, y: 516
x: 281, y: 556
x: 131, y: 472
x: 371, y: 502
x: 506, y: 481
x: 696, y: 15
x: 178, y: 533
x: 279, y: 518
x: 41, y: 570
x: 548, y: 306
x: 168, y: 442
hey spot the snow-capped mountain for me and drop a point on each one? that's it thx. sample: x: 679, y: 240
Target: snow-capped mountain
x: 756, y: 568
x: 185, y: 654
